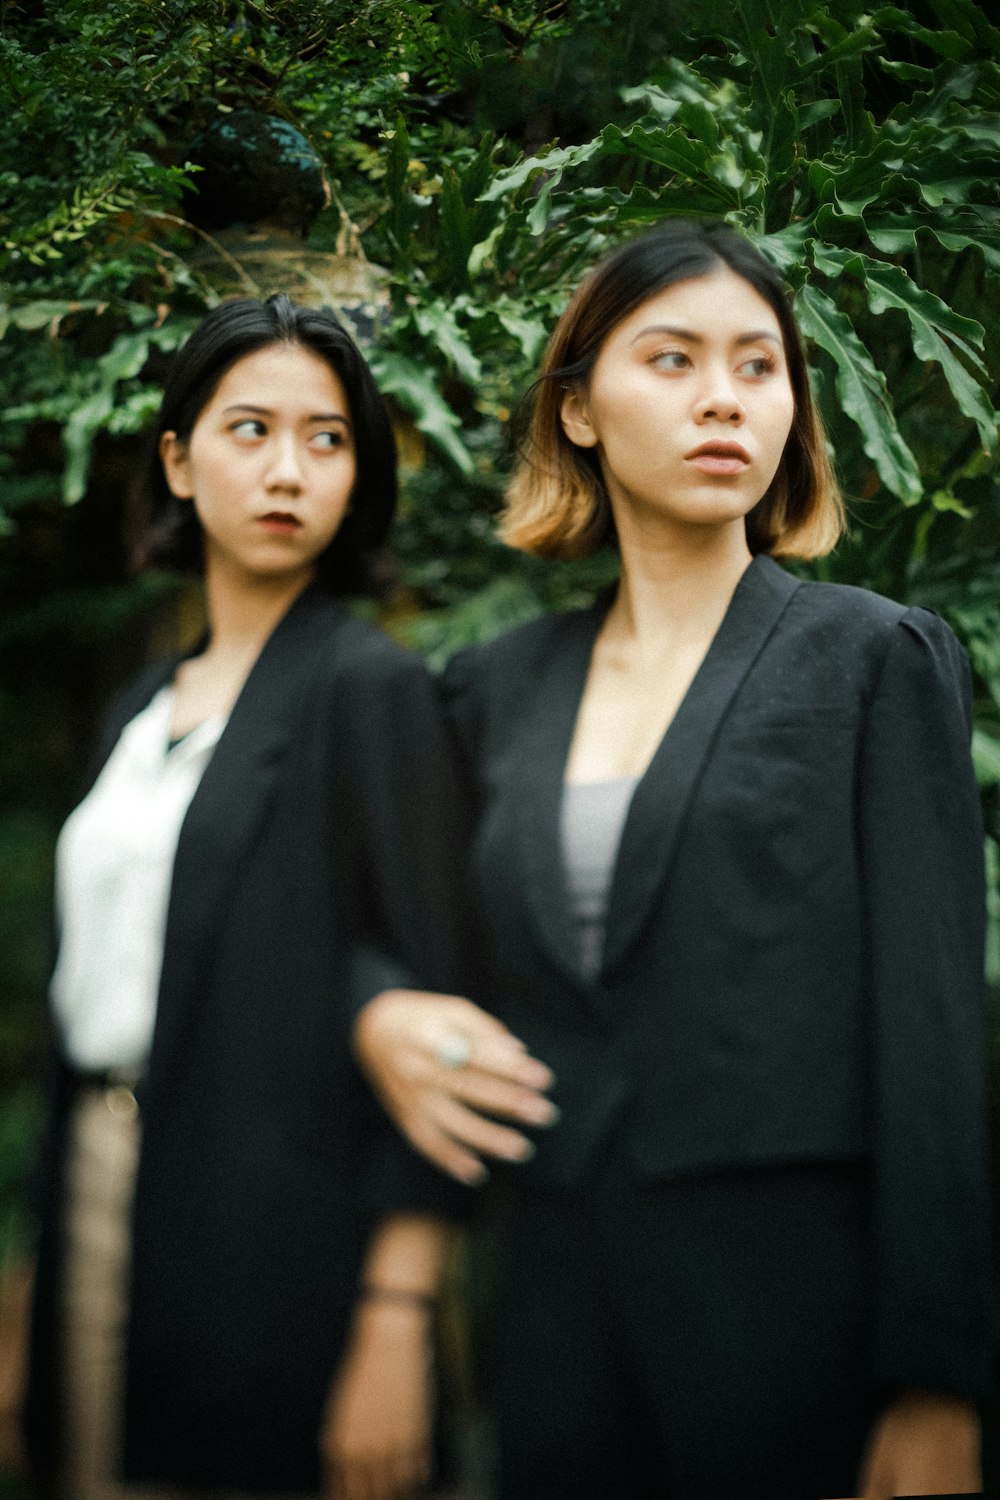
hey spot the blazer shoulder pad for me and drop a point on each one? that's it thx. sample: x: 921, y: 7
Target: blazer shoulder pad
x: 862, y: 609
x: 364, y: 652
x: 514, y: 651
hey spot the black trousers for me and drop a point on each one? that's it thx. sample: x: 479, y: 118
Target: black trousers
x: 694, y: 1340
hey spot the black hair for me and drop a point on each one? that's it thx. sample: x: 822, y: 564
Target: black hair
x: 354, y: 562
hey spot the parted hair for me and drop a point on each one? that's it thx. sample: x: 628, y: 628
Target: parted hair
x: 354, y: 562
x: 557, y: 504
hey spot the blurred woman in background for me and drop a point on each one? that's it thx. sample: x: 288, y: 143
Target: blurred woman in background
x: 238, y: 1258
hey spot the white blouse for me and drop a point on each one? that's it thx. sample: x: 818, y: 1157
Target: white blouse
x: 114, y: 862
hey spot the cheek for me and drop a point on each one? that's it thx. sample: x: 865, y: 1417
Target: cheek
x: 211, y: 472
x: 776, y: 427
x: 340, y: 487
x: 626, y: 424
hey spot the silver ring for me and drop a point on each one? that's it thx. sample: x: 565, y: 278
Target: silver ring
x: 453, y: 1050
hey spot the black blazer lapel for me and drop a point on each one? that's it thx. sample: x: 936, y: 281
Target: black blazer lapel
x: 222, y: 821
x: 542, y: 754
x: 656, y: 815
x: 124, y: 708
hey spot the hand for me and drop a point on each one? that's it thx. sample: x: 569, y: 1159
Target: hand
x: 397, y: 1038
x: 376, y: 1437
x: 923, y: 1445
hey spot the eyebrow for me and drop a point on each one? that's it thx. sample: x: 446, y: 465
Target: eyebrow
x: 689, y: 337
x: 266, y: 411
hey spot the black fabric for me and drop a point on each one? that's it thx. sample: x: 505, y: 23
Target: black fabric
x: 793, y: 965
x: 718, y: 1352
x: 264, y: 1160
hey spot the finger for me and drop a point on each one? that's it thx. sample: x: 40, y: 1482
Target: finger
x: 493, y: 1055
x: 368, y: 1481
x: 439, y: 1148
x: 398, y: 1476
x: 341, y: 1480
x: 407, y: 1471
x: 410, y: 1474
x: 484, y: 1137
x: 484, y: 1091
x: 354, y: 1479
x: 494, y: 1046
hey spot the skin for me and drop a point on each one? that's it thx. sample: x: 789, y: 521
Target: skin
x: 701, y: 362
x: 274, y: 441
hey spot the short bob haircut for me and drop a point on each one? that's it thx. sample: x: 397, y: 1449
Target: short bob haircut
x: 557, y: 504
x: 353, y: 563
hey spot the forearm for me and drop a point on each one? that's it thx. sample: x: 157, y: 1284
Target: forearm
x: 376, y: 1437
x: 405, y: 1258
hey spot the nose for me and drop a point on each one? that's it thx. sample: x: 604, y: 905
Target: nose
x: 285, y: 468
x: 718, y: 398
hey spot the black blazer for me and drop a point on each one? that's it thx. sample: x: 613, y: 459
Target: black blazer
x: 793, y: 968
x: 324, y: 820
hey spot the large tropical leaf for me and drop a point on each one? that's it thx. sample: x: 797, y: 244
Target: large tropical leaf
x: 861, y: 388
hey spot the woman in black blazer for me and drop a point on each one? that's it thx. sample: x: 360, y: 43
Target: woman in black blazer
x: 268, y: 1320
x: 728, y: 846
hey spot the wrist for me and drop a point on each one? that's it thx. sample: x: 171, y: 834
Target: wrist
x: 405, y: 1327
x: 414, y: 1298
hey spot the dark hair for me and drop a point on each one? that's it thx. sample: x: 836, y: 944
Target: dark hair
x: 557, y: 504
x: 353, y: 563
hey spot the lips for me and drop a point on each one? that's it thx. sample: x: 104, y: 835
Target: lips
x: 719, y: 458
x: 280, y: 522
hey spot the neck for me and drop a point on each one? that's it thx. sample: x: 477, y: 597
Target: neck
x: 243, y: 612
x: 677, y: 585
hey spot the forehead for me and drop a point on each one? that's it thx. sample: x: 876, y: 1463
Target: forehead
x: 281, y: 372
x: 720, y: 306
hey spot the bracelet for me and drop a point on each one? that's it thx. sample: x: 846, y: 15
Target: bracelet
x: 399, y: 1294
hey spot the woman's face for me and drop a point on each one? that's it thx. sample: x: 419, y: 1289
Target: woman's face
x: 269, y: 465
x: 688, y: 406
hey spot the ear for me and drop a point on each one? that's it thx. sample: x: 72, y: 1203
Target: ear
x: 176, y: 465
x: 575, y: 418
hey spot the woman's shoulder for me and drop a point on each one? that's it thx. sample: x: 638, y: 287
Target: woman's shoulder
x: 353, y: 647
x: 847, y: 603
x: 514, y: 652
x: 886, y: 639
x: 866, y: 614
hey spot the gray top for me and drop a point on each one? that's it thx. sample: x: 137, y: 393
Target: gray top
x: 592, y: 817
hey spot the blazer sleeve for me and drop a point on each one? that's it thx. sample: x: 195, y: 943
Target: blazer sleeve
x: 921, y: 843
x: 411, y: 898
x: 412, y: 831
x: 461, y: 690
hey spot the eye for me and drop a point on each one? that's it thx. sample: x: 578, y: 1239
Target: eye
x: 759, y: 366
x: 671, y: 359
x: 248, y: 427
x: 329, y: 438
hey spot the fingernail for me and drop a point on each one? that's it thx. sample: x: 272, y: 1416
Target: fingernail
x: 477, y: 1176
x: 523, y: 1151
x: 540, y: 1112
